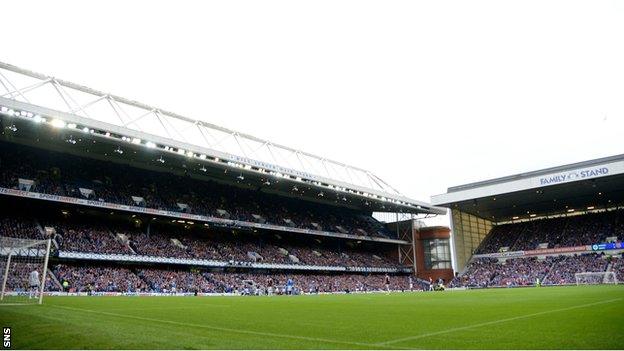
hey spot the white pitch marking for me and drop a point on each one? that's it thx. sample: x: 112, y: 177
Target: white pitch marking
x: 238, y: 331
x: 415, y: 337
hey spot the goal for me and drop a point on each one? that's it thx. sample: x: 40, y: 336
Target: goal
x: 23, y: 268
x: 587, y: 278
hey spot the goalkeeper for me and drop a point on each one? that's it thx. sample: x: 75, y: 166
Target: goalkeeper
x: 33, y: 282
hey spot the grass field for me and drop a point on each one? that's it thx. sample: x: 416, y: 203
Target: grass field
x: 589, y: 317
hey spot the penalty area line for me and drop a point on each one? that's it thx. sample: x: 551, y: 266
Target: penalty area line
x: 224, y: 329
x: 498, y: 321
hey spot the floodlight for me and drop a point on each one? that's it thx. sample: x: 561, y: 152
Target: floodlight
x: 57, y: 123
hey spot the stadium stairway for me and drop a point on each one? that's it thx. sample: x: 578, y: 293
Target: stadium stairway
x: 520, y: 237
x: 552, y: 266
x: 609, y: 269
x: 122, y: 239
x: 44, y: 234
x: 54, y: 279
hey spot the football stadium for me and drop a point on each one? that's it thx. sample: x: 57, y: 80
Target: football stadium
x: 125, y: 226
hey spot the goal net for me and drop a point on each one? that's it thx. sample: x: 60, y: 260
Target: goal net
x: 23, y: 268
x: 587, y: 278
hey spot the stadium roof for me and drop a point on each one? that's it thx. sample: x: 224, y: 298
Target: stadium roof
x: 52, y: 100
x: 569, y: 188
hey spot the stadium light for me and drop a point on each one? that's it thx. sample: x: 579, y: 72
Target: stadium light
x: 119, y: 150
x: 571, y: 210
x: 57, y: 123
x: 160, y: 159
x: 590, y: 207
x: 136, y: 141
x: 71, y: 125
x: 515, y: 217
x: 12, y: 128
x: 150, y: 144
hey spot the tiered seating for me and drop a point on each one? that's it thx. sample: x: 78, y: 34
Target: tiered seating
x: 105, y: 279
x: 19, y: 227
x: 564, y: 270
x: 556, y: 232
x: 19, y: 272
x: 55, y: 173
x: 91, y: 235
x: 108, y: 279
x: 81, y: 237
x: 553, y: 270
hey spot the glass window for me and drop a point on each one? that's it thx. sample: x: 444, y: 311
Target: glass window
x: 437, y: 254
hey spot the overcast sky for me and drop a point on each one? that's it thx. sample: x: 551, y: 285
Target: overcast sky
x: 426, y: 95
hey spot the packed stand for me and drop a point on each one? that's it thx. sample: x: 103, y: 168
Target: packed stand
x: 556, y: 232
x: 95, y: 234
x: 104, y: 279
x: 18, y: 278
x: 565, y: 269
x: 527, y: 271
x: 154, y: 280
x: 117, y: 183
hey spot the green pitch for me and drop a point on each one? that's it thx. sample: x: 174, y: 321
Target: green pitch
x: 532, y: 318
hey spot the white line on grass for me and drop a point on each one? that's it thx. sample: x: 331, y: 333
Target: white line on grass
x: 224, y: 329
x: 446, y: 331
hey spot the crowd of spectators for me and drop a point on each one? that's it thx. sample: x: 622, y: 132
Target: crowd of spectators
x: 104, y: 279
x: 19, y: 227
x: 81, y: 237
x: 119, y: 279
x: 555, y: 232
x: 93, y: 234
x: 618, y: 268
x: 552, y: 270
x: 19, y: 275
x: 251, y: 249
x: 55, y: 173
x: 564, y: 270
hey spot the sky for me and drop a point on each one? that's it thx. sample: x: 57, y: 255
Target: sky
x: 426, y: 95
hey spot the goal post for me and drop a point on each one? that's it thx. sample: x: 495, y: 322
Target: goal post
x: 23, y: 269
x: 595, y: 278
